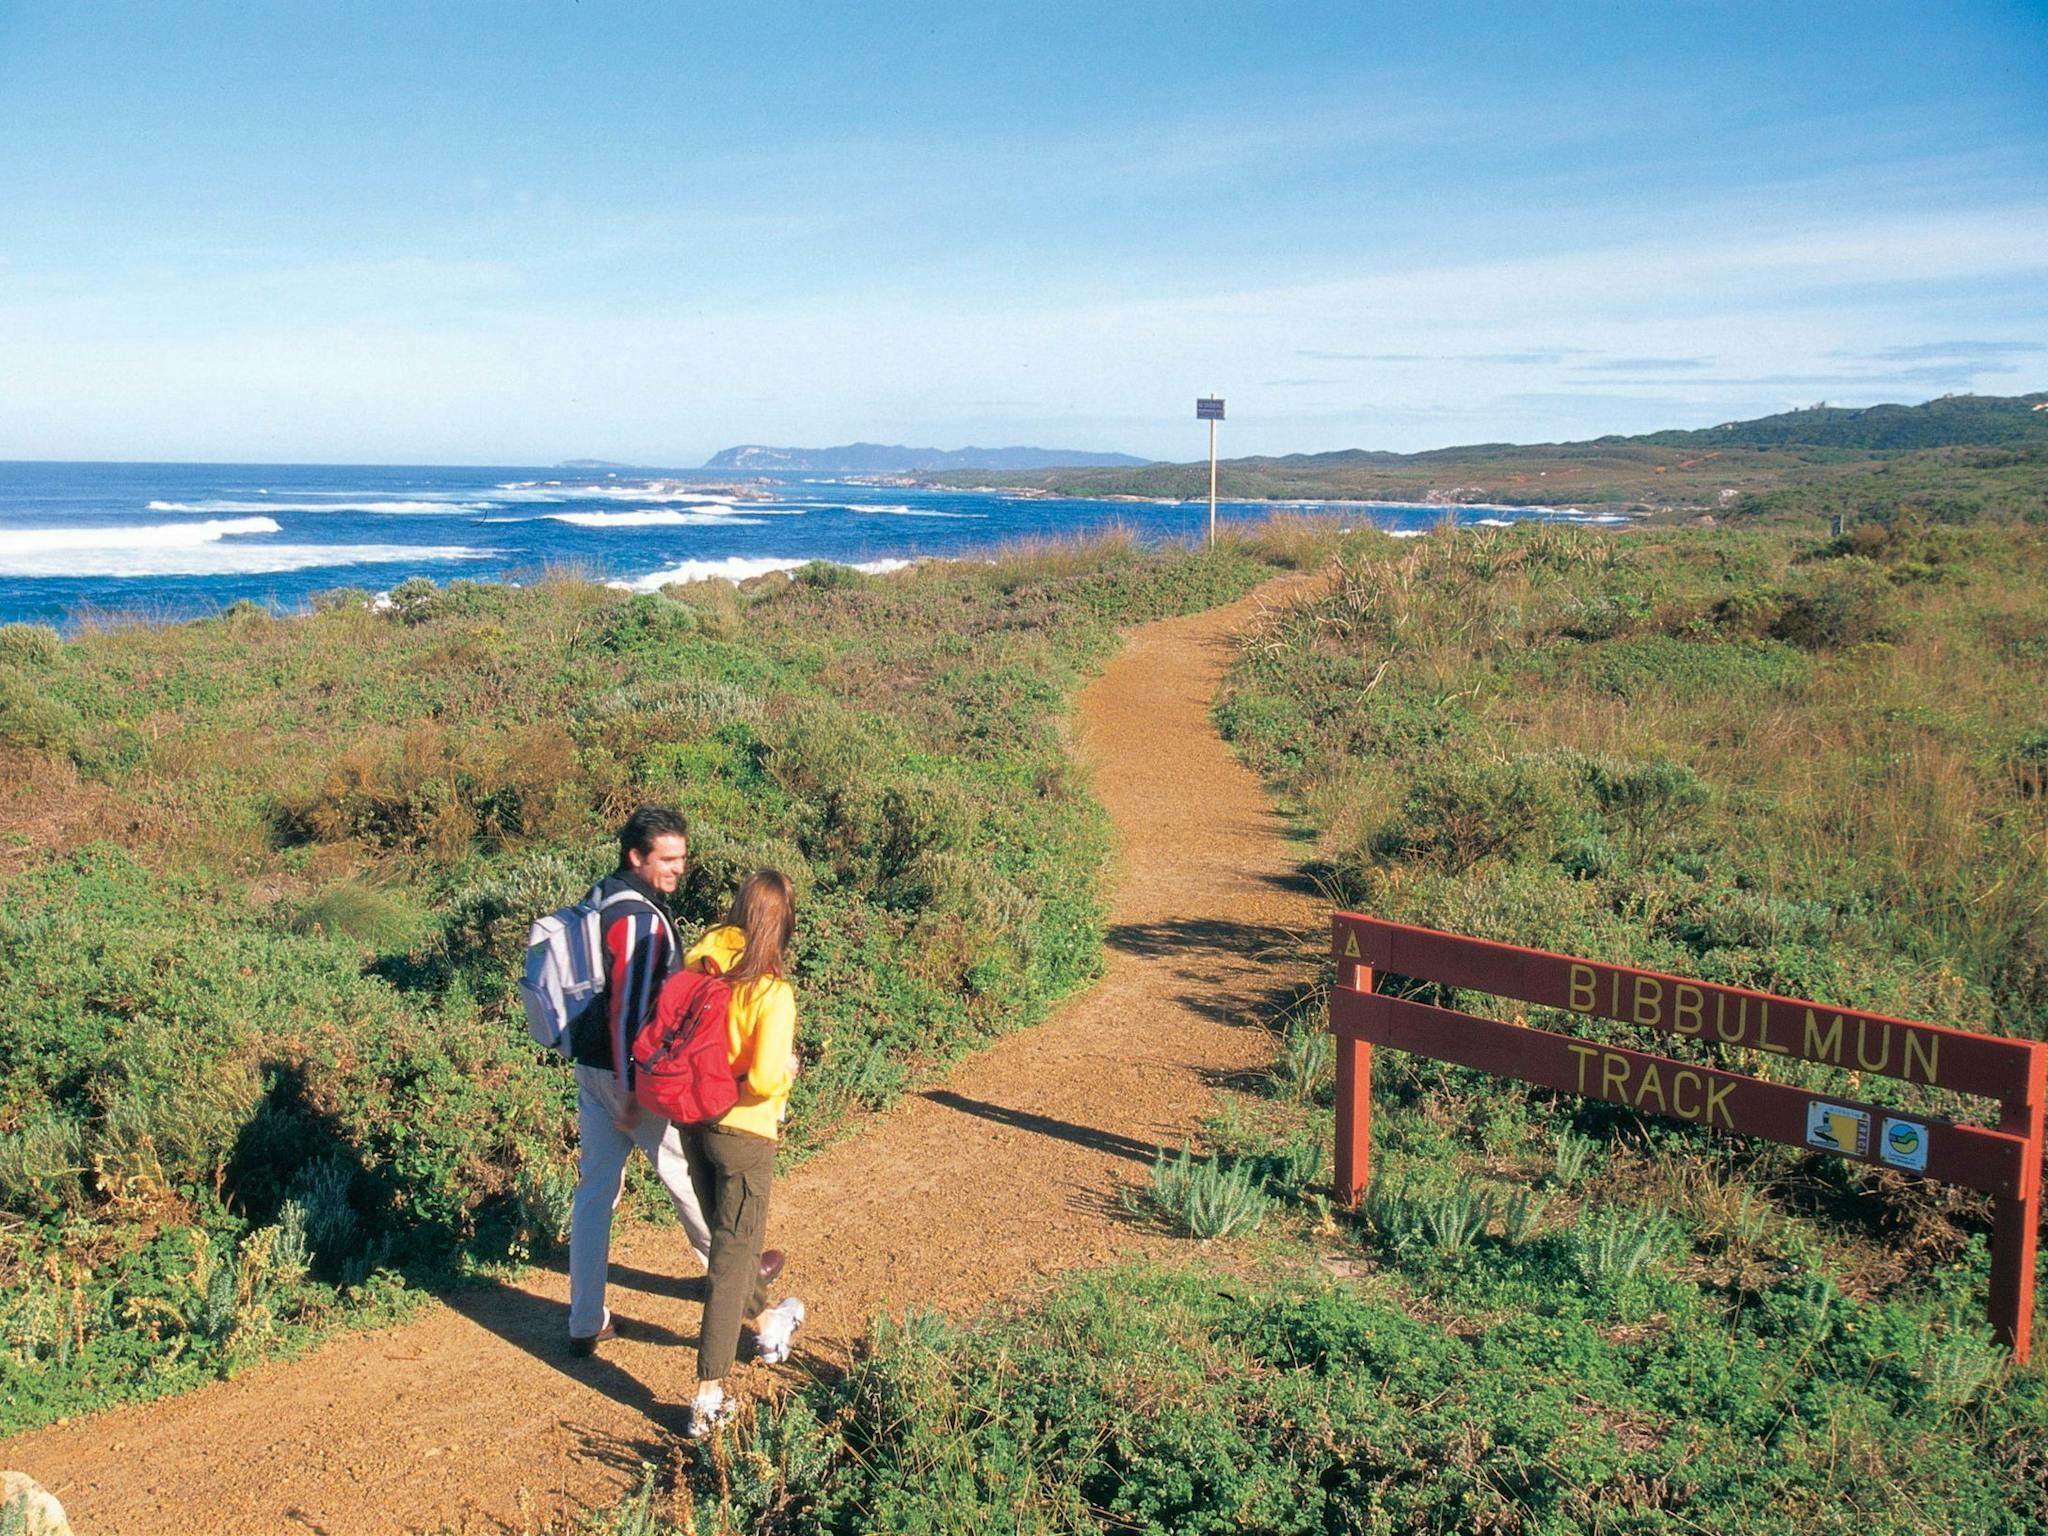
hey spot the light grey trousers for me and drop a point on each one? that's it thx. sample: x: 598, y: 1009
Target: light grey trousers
x: 601, y: 1107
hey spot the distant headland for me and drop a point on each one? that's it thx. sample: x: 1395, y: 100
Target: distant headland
x: 895, y: 459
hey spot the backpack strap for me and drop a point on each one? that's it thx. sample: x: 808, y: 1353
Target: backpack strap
x: 629, y: 896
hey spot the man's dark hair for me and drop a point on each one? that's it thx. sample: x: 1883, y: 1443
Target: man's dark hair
x: 644, y: 826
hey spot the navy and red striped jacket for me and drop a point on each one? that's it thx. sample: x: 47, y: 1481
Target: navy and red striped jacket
x: 640, y: 949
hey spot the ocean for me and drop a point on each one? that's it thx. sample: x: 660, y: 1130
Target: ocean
x: 100, y: 542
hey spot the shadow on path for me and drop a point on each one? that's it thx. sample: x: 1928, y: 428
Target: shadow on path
x: 539, y: 1327
x: 1193, y: 938
x: 1045, y: 1125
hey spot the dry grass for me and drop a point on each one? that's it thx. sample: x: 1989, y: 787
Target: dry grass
x: 1060, y: 557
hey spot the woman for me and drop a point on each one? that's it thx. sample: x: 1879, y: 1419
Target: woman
x: 732, y: 1160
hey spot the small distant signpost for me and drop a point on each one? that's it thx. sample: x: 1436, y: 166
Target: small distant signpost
x: 2004, y: 1162
x: 1209, y: 408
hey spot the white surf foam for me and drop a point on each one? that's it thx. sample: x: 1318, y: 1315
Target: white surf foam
x: 658, y: 517
x: 88, y: 537
x: 394, y: 508
x: 1491, y: 522
x: 736, y: 568
x: 221, y: 547
x: 613, y: 490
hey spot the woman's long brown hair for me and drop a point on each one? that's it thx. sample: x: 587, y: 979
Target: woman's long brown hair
x: 765, y: 911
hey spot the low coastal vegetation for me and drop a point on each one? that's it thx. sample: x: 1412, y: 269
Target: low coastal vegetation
x: 269, y: 881
x: 1763, y: 756
x: 1965, y: 454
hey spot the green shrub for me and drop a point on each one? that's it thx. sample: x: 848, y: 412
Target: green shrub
x: 2026, y: 764
x: 828, y: 576
x: 360, y: 913
x: 415, y: 600
x: 43, y: 1163
x: 1650, y: 799
x: 647, y: 621
x: 342, y: 600
x: 29, y: 717
x: 1460, y: 810
x: 1849, y: 603
x: 29, y: 646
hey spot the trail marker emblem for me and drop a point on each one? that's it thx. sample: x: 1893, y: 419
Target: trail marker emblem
x: 1905, y: 1145
x: 1836, y: 1128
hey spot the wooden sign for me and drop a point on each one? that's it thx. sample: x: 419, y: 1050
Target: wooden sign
x: 2004, y: 1162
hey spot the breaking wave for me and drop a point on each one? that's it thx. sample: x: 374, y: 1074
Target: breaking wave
x: 658, y: 517
x: 444, y: 508
x: 222, y: 547
x: 516, y: 491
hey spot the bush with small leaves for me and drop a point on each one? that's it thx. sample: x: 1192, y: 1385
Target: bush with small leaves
x: 30, y: 717
x: 29, y: 645
x: 415, y: 600
x: 1852, y: 603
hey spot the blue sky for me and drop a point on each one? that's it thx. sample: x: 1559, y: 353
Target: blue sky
x: 513, y: 233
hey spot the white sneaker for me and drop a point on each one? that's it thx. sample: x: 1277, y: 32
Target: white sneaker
x: 777, y: 1328
x: 709, y: 1409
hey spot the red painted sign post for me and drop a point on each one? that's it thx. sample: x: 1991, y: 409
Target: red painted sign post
x: 2004, y: 1162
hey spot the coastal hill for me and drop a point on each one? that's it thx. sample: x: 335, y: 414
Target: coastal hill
x: 1702, y: 470
x: 1953, y: 421
x: 894, y: 459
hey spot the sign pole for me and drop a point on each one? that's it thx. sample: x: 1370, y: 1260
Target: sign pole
x: 1212, y: 484
x: 1354, y: 1097
x: 1209, y: 408
x: 2015, y: 1228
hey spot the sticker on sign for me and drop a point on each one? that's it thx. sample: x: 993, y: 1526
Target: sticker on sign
x: 1837, y: 1128
x: 1904, y: 1145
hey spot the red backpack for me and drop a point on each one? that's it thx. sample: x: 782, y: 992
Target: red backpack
x: 679, y: 1061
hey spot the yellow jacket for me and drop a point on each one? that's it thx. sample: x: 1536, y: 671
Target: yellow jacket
x: 761, y: 1036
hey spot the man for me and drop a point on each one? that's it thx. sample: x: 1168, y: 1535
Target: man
x: 640, y: 949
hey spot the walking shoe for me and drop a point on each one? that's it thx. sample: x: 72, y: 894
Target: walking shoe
x: 709, y: 1409
x: 777, y: 1328
x: 771, y: 1265
x: 584, y: 1348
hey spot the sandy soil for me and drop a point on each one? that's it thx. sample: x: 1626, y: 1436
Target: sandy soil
x: 474, y: 1417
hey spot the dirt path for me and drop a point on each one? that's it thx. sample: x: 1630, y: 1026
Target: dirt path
x: 473, y: 1417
